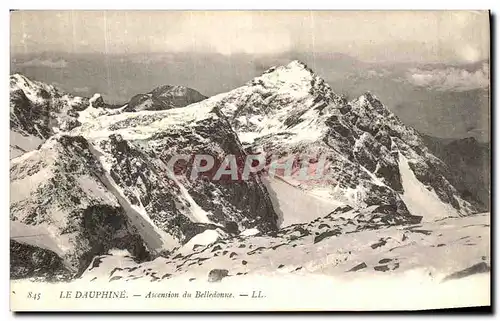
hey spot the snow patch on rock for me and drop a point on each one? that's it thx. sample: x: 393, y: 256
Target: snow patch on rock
x: 419, y: 199
x: 207, y: 237
x: 250, y: 232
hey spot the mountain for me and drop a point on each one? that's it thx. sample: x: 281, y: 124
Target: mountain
x: 37, y: 111
x: 469, y: 163
x: 112, y: 169
x: 58, y: 202
x: 164, y: 97
x: 135, y: 148
x: 99, y: 185
x: 373, y: 159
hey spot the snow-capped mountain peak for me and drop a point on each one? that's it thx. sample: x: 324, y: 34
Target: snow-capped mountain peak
x: 276, y: 101
x: 294, y: 77
x: 95, y: 97
x: 164, y: 97
x: 37, y: 111
x: 290, y: 110
x: 34, y: 90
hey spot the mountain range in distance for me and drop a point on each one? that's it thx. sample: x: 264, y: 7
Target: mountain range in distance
x: 441, y: 100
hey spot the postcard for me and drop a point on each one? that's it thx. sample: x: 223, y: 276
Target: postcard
x: 249, y: 160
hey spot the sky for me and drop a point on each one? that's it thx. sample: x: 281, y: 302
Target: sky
x: 372, y: 36
x: 430, y: 67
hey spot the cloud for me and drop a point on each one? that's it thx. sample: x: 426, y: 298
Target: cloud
x: 375, y: 36
x: 81, y: 89
x: 372, y: 73
x: 37, y: 62
x: 151, y: 58
x: 450, y: 79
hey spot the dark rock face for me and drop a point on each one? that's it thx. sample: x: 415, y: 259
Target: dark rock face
x: 178, y: 96
x: 99, y: 103
x: 164, y: 97
x: 216, y: 275
x: 480, y: 267
x: 106, y: 228
x: 36, y: 108
x: 38, y: 111
x: 361, y: 139
x: 141, y: 184
x: 391, y: 137
x: 326, y: 234
x: 27, y: 117
x: 232, y: 227
x: 138, y: 168
x: 31, y: 261
x: 469, y: 166
x: 248, y: 200
x: 358, y: 267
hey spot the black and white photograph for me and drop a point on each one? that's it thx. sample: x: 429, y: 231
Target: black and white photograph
x: 249, y: 160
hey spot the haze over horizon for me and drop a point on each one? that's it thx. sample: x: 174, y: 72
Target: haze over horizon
x: 395, y: 36
x: 430, y: 68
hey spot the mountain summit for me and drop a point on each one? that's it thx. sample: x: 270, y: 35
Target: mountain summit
x: 164, y: 97
x: 276, y: 100
x: 374, y: 160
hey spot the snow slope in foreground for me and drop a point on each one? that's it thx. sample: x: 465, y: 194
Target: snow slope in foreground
x: 439, y: 249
